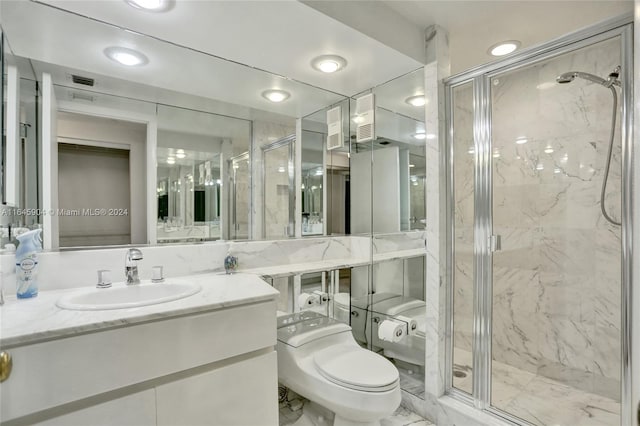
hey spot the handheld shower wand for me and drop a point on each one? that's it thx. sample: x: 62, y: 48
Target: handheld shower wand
x: 611, y: 82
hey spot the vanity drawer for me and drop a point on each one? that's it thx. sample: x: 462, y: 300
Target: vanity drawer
x: 57, y: 372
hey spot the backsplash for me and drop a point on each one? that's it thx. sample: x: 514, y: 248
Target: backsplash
x: 69, y: 269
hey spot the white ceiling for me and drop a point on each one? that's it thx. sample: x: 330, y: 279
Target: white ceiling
x: 278, y: 36
x: 52, y: 36
x: 475, y: 25
x: 281, y: 37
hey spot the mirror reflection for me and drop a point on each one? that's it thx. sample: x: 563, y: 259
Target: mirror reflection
x: 193, y: 150
x: 278, y: 205
x: 197, y: 168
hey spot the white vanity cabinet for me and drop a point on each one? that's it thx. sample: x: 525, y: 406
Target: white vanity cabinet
x: 203, y: 368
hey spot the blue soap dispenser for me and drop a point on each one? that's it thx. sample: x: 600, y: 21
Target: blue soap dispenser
x: 230, y: 263
x: 30, y: 244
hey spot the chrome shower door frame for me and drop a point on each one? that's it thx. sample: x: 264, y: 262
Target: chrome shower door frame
x: 483, y: 205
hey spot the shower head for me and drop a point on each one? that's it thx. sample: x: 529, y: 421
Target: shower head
x: 568, y: 77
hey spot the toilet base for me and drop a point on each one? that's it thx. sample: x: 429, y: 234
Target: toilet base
x: 314, y: 414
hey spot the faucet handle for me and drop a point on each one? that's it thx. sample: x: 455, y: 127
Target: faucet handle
x: 104, y: 278
x: 157, y: 275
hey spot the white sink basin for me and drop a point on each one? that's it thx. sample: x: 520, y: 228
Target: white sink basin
x: 122, y: 296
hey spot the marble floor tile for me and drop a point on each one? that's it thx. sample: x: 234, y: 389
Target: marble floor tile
x: 402, y: 417
x: 546, y: 402
x: 540, y: 400
x: 463, y: 371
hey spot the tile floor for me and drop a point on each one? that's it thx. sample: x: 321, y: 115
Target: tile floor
x: 540, y: 400
x: 402, y: 417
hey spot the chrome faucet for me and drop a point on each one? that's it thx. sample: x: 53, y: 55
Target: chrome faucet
x: 131, y: 265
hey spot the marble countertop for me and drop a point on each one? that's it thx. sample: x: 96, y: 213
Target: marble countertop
x: 279, y: 271
x: 305, y: 268
x: 35, y: 320
x: 28, y: 321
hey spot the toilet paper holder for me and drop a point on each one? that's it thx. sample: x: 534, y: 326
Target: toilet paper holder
x: 317, y: 297
x: 411, y: 325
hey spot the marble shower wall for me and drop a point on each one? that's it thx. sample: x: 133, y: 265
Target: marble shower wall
x: 556, y: 281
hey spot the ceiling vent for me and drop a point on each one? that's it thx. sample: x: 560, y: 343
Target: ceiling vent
x: 76, y: 96
x: 334, y: 127
x: 365, y: 112
x: 86, y: 81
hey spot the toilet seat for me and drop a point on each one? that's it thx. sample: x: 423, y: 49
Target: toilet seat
x: 356, y: 368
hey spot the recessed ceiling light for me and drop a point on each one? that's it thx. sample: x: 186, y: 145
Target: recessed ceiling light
x: 275, y: 95
x: 329, y: 63
x: 521, y: 140
x: 416, y: 101
x: 125, y: 56
x: 548, y: 150
x: 150, y: 5
x: 504, y: 47
x: 171, y: 160
x: 180, y: 155
x: 420, y: 136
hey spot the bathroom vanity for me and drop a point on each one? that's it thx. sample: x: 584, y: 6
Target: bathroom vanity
x: 198, y: 360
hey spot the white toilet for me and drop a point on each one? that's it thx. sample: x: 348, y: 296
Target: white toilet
x: 319, y: 359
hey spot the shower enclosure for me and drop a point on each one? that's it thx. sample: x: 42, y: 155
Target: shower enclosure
x: 538, y: 283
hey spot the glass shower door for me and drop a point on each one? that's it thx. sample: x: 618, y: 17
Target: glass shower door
x: 462, y: 116
x: 278, y: 190
x: 555, y: 346
x: 239, y: 198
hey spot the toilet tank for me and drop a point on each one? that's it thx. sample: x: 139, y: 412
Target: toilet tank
x: 303, y: 327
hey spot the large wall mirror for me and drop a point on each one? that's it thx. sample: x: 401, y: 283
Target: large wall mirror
x: 387, y: 186
x: 181, y: 134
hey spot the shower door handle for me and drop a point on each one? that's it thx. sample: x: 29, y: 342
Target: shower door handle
x: 495, y: 243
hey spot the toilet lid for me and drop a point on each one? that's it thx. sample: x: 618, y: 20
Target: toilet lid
x: 356, y: 368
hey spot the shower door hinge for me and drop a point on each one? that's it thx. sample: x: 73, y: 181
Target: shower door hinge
x: 495, y: 243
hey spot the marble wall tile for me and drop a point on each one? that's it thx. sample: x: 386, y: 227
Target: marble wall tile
x: 437, y: 68
x: 360, y: 246
x: 69, y: 269
x: 384, y: 243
